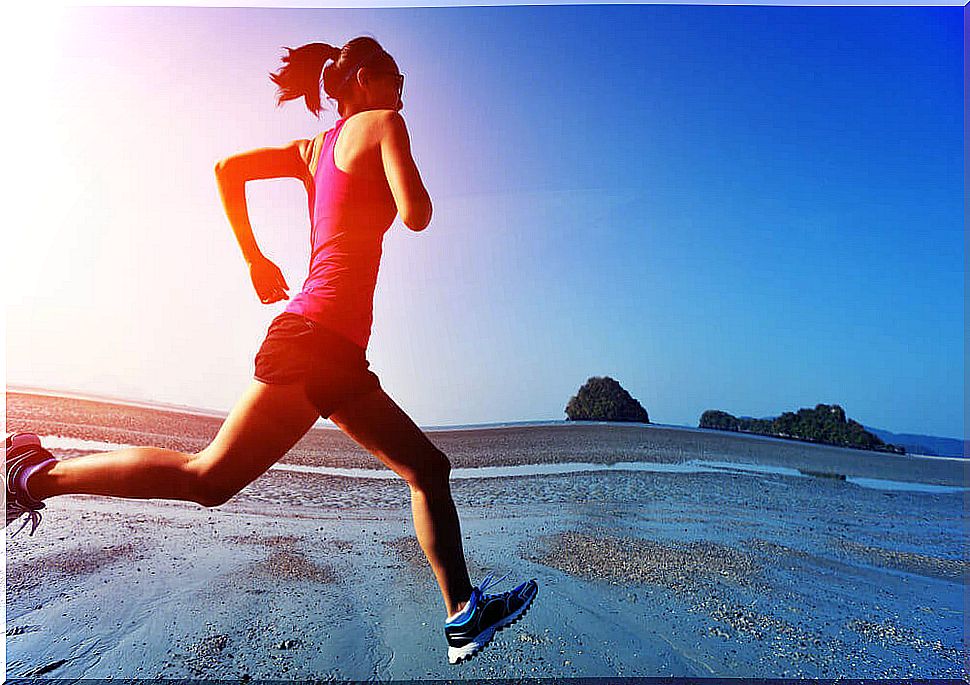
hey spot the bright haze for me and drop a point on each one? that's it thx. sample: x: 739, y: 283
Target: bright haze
x: 751, y: 209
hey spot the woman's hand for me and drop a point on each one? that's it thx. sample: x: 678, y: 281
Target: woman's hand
x: 268, y: 280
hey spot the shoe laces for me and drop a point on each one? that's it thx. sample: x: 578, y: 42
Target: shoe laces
x: 33, y: 516
x: 488, y: 582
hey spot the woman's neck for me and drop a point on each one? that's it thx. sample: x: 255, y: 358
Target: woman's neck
x: 352, y: 110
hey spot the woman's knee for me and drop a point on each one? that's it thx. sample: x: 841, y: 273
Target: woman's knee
x: 205, y: 488
x: 214, y: 496
x: 431, y: 473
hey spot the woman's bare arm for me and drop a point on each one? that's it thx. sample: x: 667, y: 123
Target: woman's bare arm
x: 233, y: 172
x: 410, y: 196
x: 231, y: 176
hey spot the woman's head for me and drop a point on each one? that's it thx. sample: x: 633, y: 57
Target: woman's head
x: 361, y: 76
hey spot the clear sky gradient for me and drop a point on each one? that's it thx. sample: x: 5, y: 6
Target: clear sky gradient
x: 752, y: 209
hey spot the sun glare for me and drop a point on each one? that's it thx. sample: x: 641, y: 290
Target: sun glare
x: 35, y: 46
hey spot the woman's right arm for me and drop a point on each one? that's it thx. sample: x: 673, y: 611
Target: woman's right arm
x: 232, y: 174
x: 410, y: 196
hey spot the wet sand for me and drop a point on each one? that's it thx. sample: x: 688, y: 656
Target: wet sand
x: 305, y: 576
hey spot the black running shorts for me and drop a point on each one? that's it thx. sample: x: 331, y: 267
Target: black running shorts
x: 332, y: 368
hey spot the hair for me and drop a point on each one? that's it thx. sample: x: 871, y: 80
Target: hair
x: 303, y: 70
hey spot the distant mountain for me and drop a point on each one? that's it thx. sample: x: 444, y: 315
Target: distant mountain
x: 929, y: 445
x: 923, y: 444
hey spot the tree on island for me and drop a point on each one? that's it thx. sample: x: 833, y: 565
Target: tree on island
x: 602, y: 398
x: 825, y: 424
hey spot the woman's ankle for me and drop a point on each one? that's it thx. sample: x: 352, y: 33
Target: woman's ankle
x: 461, y: 608
x: 32, y: 485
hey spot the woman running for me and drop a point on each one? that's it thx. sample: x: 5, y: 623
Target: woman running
x: 358, y: 175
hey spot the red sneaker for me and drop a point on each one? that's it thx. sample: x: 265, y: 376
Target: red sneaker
x: 23, y: 451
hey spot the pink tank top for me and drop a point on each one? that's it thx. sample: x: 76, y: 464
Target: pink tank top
x: 349, y: 216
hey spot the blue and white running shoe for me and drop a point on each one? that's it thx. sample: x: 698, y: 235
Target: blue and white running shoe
x: 484, y: 615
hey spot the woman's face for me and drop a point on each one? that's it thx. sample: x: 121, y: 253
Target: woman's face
x: 386, y: 88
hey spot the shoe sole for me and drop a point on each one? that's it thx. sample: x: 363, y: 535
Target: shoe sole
x: 475, y: 647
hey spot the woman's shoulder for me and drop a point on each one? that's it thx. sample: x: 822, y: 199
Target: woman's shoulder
x: 374, y: 115
x: 310, y: 150
x: 375, y: 122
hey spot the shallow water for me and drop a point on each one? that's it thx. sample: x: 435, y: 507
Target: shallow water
x: 75, y: 445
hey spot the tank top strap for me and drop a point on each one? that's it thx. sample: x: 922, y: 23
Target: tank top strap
x: 330, y: 143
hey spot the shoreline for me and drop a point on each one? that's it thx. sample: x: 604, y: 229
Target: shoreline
x: 596, y: 443
x: 497, y: 425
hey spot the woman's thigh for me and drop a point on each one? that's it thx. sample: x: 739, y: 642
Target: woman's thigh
x: 263, y: 425
x: 381, y: 427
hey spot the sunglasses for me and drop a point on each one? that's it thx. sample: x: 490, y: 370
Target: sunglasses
x: 363, y: 62
x: 399, y: 78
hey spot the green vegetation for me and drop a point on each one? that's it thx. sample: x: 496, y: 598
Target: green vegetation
x: 825, y: 424
x: 603, y: 399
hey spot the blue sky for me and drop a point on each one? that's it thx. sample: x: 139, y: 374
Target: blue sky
x: 752, y: 209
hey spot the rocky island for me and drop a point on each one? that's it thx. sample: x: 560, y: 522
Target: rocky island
x: 602, y: 398
x: 826, y: 424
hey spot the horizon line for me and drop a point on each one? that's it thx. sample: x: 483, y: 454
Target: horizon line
x: 214, y: 413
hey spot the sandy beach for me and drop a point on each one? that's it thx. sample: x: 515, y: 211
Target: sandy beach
x: 312, y: 576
